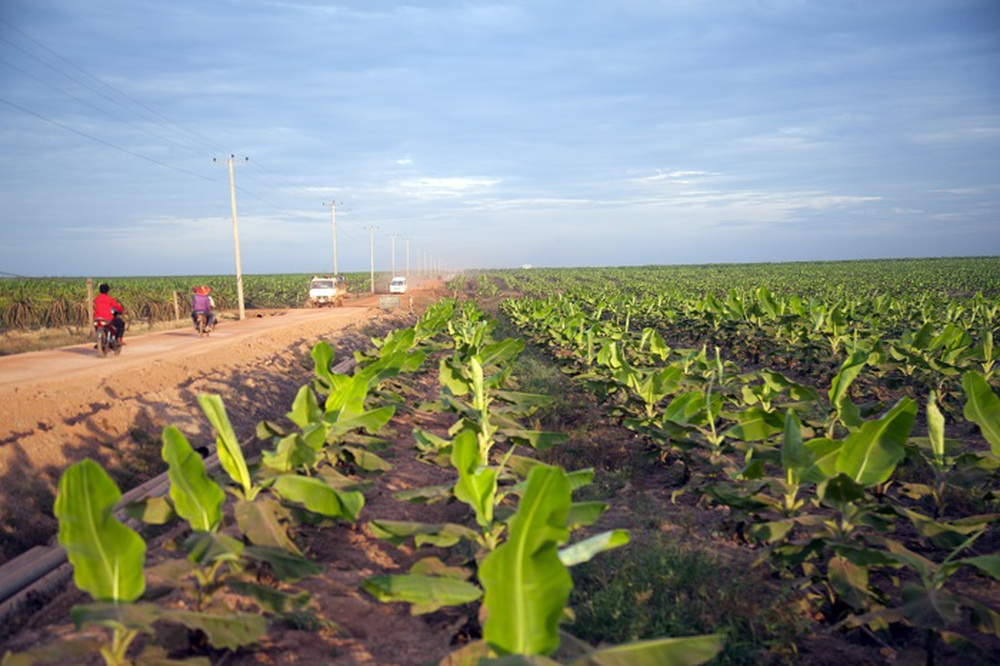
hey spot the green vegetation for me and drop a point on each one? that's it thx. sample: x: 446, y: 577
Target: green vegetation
x: 841, y: 420
x: 27, y: 303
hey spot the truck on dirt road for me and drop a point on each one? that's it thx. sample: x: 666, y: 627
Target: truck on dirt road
x: 327, y: 291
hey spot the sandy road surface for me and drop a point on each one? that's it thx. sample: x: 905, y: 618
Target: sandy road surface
x: 62, y: 405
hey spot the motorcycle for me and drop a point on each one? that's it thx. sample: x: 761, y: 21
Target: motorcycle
x: 201, y: 323
x: 107, y: 341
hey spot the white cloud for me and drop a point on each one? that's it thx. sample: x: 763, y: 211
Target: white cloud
x: 431, y: 188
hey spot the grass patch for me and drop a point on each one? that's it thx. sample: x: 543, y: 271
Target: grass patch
x: 654, y: 589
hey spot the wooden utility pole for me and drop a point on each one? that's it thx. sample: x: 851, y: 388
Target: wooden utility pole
x: 333, y: 223
x: 236, y: 234
x: 371, y: 243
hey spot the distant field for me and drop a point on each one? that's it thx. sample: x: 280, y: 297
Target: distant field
x: 27, y: 303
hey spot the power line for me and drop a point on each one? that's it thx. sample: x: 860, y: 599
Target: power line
x: 106, y: 143
x: 107, y: 85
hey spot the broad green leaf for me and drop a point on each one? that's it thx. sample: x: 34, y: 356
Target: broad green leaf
x: 795, y: 458
x: 982, y: 407
x: 838, y: 394
x: 315, y: 495
x: 228, y: 632
x: 206, y: 548
x: 988, y: 564
x: 870, y: 454
x: 290, y: 453
x: 139, y: 616
x: 270, y: 599
x: 824, y: 453
x: 444, y: 535
x: 584, y: 514
x: 366, y: 460
x: 688, y: 651
x: 526, y: 584
x: 227, y: 446
x: 151, y: 510
x: 285, y: 565
x: 107, y: 556
x: 322, y: 355
x: 260, y: 521
x: 849, y: 581
x: 935, y: 428
x: 540, y: 440
x: 584, y: 551
x: 371, y: 422
x: 197, y: 499
x: 426, y: 593
x: 947, y: 534
x: 476, y: 484
x: 426, y: 494
x: 930, y: 608
x: 305, y: 408
x: 840, y: 491
x: 756, y: 424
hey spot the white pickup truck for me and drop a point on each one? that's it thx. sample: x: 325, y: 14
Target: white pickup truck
x: 327, y: 291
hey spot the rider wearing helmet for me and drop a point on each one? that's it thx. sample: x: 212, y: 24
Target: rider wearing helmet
x: 107, y: 308
x: 202, y: 302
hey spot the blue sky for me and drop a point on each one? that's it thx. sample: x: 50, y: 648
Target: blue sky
x: 494, y: 134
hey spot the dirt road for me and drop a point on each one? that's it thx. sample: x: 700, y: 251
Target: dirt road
x: 59, y: 406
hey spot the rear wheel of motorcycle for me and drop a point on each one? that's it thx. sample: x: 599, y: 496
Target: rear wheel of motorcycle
x: 102, y: 343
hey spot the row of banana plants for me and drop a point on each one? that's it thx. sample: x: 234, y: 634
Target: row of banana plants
x: 510, y: 563
x: 843, y: 497
x: 239, y: 526
x: 302, y: 478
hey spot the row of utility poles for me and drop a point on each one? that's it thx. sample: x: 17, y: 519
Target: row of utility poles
x: 230, y: 161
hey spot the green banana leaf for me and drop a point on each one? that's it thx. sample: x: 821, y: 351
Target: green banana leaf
x: 870, y: 454
x: 290, y: 453
x: 227, y: 446
x: 526, y: 584
x: 225, y: 632
x: 315, y: 495
x: 196, y: 498
x: 285, y: 565
x: 305, y: 408
x: 261, y: 523
x: 426, y: 593
x: 584, y: 551
x: 839, y: 398
x: 756, y: 424
x: 688, y: 651
x: 476, y: 484
x: 107, y: 556
x: 442, y: 535
x: 982, y: 407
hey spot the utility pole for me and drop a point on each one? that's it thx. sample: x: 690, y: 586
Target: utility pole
x: 236, y: 233
x: 407, y: 258
x: 333, y: 223
x: 393, y: 237
x: 371, y: 245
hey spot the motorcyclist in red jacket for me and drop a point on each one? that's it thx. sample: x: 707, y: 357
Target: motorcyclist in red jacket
x: 106, y: 307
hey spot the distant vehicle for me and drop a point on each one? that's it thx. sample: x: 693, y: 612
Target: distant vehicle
x: 327, y: 291
x: 398, y: 285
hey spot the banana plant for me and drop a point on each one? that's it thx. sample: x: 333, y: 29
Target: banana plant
x: 951, y: 468
x: 108, y: 559
x: 526, y: 583
x: 925, y: 603
x: 982, y: 407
